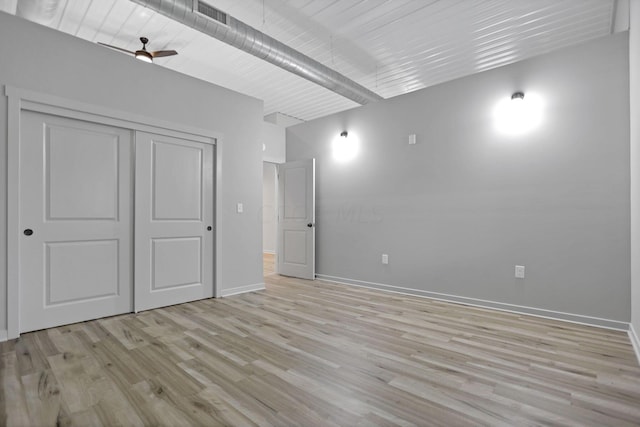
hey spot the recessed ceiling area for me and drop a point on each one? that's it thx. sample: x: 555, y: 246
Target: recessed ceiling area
x: 391, y: 47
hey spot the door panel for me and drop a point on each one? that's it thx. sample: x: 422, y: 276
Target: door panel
x: 176, y: 262
x: 177, y: 178
x: 81, y: 271
x: 294, y: 182
x: 296, y: 219
x: 174, y: 207
x: 295, y: 247
x: 75, y: 196
x: 72, y: 155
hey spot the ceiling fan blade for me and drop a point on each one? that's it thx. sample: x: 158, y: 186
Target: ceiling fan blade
x: 117, y: 48
x: 160, y: 53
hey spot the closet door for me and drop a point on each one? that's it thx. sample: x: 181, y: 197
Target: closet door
x: 174, y: 221
x: 75, y: 220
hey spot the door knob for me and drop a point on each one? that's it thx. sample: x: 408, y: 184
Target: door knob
x: 310, y: 225
x: 209, y: 228
x: 28, y: 232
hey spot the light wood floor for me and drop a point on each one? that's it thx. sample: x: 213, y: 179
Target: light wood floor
x: 313, y: 353
x: 268, y: 264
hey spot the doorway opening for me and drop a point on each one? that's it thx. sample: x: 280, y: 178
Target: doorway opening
x: 269, y: 217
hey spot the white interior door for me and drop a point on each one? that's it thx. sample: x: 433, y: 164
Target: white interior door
x: 75, y: 213
x: 174, y: 221
x: 296, y: 219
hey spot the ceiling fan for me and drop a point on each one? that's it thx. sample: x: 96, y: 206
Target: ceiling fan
x: 143, y: 54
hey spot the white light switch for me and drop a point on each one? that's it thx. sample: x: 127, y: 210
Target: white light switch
x: 240, y: 208
x: 519, y: 271
x: 412, y: 139
x: 385, y: 258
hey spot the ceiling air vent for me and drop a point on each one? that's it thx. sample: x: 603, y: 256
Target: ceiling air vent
x: 211, y: 12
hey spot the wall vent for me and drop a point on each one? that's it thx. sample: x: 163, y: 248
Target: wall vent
x: 211, y: 12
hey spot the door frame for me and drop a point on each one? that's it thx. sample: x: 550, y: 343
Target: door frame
x: 19, y: 100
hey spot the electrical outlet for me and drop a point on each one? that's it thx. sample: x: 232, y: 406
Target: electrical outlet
x: 519, y: 271
x: 385, y: 259
x: 239, y: 208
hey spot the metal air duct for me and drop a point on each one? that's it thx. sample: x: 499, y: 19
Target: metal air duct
x: 40, y: 11
x: 209, y: 20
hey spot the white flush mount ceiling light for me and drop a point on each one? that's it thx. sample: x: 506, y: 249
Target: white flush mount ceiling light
x: 345, y: 147
x: 519, y: 114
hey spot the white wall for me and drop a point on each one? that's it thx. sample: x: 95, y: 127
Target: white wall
x: 273, y: 138
x: 634, y: 92
x: 458, y: 210
x: 274, y: 143
x: 43, y: 60
x: 269, y: 208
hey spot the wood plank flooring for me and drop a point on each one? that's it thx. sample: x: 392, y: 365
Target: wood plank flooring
x: 268, y: 264
x: 318, y: 354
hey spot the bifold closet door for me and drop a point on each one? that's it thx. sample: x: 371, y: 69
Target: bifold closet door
x: 75, y: 220
x: 173, y: 221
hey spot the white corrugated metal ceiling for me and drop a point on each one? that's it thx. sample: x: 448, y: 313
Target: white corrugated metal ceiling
x: 391, y: 47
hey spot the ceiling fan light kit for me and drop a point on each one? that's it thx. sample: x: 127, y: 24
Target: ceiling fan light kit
x: 143, y: 55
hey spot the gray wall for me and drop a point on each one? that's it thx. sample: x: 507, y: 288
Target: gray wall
x: 634, y: 74
x: 40, y: 59
x: 458, y: 210
x: 269, y: 207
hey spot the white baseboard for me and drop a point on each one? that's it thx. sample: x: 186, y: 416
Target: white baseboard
x: 512, y: 308
x: 635, y: 342
x: 4, y: 335
x: 242, y: 289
